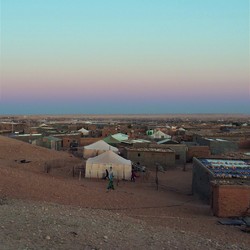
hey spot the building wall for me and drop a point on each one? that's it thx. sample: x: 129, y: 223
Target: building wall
x: 198, y: 151
x: 17, y: 127
x: 106, y: 131
x: 244, y: 143
x: 217, y: 147
x: 89, y: 140
x: 27, y: 138
x: 72, y: 127
x: 221, y: 147
x: 201, y: 181
x: 180, y: 151
x: 52, y: 144
x: 230, y: 200
x: 89, y: 127
x: 68, y: 140
x: 150, y: 158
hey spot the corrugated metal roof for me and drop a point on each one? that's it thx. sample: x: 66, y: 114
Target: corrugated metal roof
x: 228, y: 168
x: 120, y: 137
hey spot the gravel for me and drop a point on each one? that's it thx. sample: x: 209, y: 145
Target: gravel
x: 40, y: 225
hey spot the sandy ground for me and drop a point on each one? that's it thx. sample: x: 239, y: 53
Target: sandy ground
x: 55, y: 211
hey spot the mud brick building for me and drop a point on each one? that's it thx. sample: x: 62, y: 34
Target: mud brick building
x: 30, y: 138
x: 198, y: 152
x: 150, y: 156
x: 224, y: 183
x: 12, y: 126
x: 230, y: 200
x: 67, y: 139
x: 180, y: 151
x: 216, y: 146
x: 50, y: 142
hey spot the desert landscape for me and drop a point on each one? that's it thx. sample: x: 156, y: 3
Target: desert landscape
x: 124, y: 125
x: 53, y: 210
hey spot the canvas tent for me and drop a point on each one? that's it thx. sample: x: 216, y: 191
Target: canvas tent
x: 97, y: 148
x: 83, y: 131
x: 159, y: 135
x: 96, y: 167
x: 167, y: 141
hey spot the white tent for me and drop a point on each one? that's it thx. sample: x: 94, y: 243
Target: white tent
x: 43, y: 125
x: 97, y: 148
x: 182, y: 129
x: 96, y: 167
x: 83, y: 131
x: 160, y: 135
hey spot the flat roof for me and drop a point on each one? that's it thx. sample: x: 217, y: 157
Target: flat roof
x: 23, y: 135
x: 215, y: 139
x: 66, y: 134
x: 159, y: 150
x: 223, y: 168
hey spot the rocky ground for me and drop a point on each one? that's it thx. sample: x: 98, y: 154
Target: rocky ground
x: 35, y: 225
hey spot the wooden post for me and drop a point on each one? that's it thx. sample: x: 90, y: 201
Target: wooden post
x: 184, y: 167
x: 80, y: 175
x: 156, y: 177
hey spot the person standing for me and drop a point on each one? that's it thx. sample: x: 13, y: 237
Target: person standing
x: 133, y: 175
x: 106, y: 174
x: 111, y: 180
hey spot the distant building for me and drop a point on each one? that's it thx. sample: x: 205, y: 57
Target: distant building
x: 150, y: 156
x: 85, y: 141
x: 225, y: 183
x: 50, y: 142
x: 12, y: 126
x: 69, y: 139
x: 217, y: 146
x: 158, y: 135
x: 195, y: 150
x: 180, y: 151
x: 116, y: 139
x: 30, y: 138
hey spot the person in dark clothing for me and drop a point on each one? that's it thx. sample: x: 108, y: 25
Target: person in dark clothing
x: 107, y: 174
x: 133, y: 175
x: 111, y: 178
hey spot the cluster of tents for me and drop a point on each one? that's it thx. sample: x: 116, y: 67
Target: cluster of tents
x: 101, y: 156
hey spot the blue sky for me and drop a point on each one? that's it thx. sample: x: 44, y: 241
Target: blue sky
x: 183, y: 56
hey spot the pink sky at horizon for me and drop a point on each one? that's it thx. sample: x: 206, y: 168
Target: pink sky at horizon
x: 191, y: 54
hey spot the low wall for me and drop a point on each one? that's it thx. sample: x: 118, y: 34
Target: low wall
x: 230, y: 200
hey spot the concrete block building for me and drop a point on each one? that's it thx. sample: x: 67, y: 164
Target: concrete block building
x: 50, y: 142
x: 179, y: 149
x: 150, y: 156
x: 223, y: 183
x: 216, y: 146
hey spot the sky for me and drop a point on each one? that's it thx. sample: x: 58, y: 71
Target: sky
x: 124, y: 57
